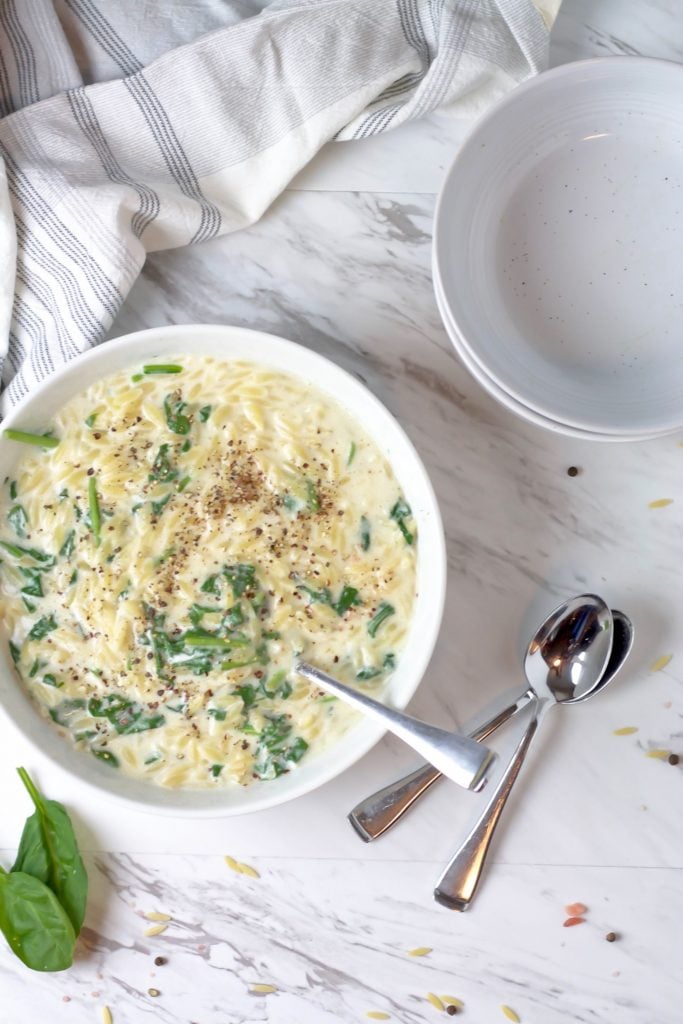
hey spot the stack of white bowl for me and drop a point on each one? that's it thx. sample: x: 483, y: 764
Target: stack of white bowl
x: 558, y: 250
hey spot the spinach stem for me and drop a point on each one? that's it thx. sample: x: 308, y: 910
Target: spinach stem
x: 30, y: 786
x: 40, y: 440
x: 94, y: 505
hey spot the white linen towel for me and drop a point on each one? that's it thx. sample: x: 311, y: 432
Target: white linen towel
x: 127, y: 128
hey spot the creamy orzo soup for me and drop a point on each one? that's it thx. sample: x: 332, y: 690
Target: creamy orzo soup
x: 173, y: 539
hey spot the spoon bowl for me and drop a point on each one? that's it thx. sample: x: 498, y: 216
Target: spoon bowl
x: 567, y: 657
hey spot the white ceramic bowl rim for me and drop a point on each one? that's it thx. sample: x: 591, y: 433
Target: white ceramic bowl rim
x: 240, y: 343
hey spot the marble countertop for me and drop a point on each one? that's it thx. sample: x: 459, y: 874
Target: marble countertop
x: 341, y: 263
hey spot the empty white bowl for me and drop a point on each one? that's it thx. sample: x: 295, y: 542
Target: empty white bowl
x: 558, y: 247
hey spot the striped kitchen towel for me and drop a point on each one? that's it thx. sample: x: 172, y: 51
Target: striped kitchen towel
x: 126, y: 128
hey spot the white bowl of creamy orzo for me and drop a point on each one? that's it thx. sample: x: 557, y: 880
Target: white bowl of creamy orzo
x: 184, y: 511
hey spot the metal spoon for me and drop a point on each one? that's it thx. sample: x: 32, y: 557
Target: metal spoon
x: 556, y: 676
x: 374, y: 815
x: 459, y: 758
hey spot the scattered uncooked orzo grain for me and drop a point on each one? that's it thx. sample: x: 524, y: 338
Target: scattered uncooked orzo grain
x: 626, y: 730
x: 246, y: 869
x: 155, y: 915
x: 420, y: 951
x: 263, y: 990
x: 660, y: 503
x: 658, y: 754
x: 106, y: 1015
x: 435, y: 1001
x: 377, y: 1015
x: 241, y: 868
x: 510, y: 1014
x: 661, y: 663
x: 156, y: 929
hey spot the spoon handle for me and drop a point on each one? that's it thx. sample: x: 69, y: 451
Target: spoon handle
x: 373, y: 816
x: 458, y: 883
x: 461, y: 759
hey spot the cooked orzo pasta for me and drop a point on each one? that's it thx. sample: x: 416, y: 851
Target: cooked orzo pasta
x: 183, y: 533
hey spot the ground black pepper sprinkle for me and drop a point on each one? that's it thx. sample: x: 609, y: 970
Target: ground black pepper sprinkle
x: 673, y: 758
x: 573, y: 471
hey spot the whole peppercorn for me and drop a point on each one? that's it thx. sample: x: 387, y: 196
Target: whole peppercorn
x: 611, y: 936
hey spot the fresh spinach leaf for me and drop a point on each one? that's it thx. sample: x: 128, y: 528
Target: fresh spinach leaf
x: 174, y: 410
x: 18, y: 520
x: 34, y: 587
x: 275, y: 754
x: 240, y: 577
x: 400, y: 512
x: 46, y: 561
x: 67, y: 548
x: 106, y: 756
x: 233, y: 617
x: 63, y: 711
x: 66, y: 875
x: 211, y: 585
x: 349, y: 596
x: 126, y: 716
x: 368, y: 672
x: 159, y: 506
x: 321, y: 596
x: 383, y: 612
x: 42, y: 627
x: 163, y: 470
x: 35, y: 924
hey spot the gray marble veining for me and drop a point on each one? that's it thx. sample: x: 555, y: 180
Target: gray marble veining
x: 334, y: 941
